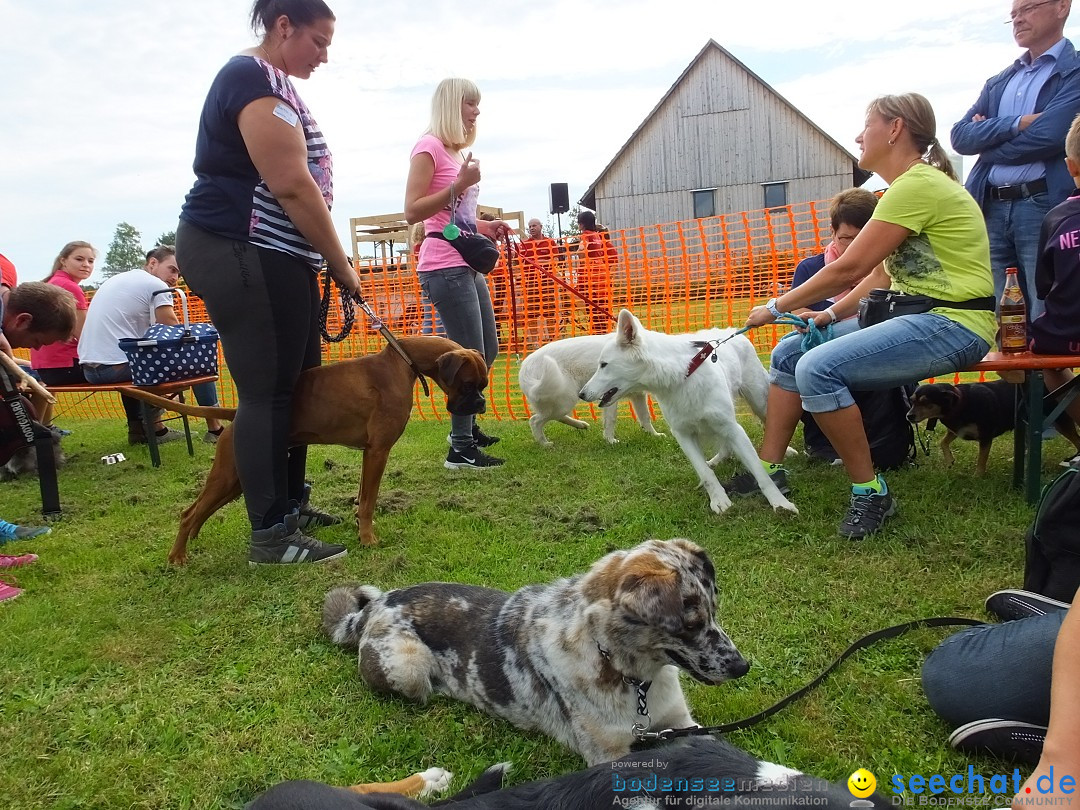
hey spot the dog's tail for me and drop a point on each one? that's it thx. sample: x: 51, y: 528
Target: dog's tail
x: 201, y: 411
x: 343, y: 613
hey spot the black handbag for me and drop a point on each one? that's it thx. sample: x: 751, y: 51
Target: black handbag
x: 479, y: 252
x: 881, y: 305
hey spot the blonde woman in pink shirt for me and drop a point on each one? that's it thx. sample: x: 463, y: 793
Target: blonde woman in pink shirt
x: 441, y: 192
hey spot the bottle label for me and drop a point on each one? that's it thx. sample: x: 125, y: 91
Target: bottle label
x: 1013, y: 333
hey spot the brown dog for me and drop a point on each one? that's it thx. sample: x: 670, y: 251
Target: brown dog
x: 364, y: 403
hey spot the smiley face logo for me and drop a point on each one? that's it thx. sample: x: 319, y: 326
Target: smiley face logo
x: 861, y: 783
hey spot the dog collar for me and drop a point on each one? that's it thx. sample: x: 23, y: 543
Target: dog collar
x: 642, y: 689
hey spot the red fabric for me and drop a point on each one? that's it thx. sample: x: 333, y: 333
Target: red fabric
x: 541, y: 251
x: 8, y: 276
x: 63, y: 354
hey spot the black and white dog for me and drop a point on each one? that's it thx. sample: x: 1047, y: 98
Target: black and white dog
x: 701, y: 772
x: 571, y: 658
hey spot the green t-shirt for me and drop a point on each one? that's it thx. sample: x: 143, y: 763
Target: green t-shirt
x: 948, y: 253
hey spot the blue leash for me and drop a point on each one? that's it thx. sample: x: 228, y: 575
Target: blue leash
x: 814, y: 335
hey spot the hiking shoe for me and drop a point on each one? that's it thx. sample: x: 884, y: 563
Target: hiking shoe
x: 9, y: 531
x: 210, y: 437
x: 471, y: 458
x: 1008, y: 739
x: 9, y: 592
x: 14, y: 561
x: 746, y: 484
x: 285, y: 544
x: 1012, y: 604
x: 866, y: 514
x: 1072, y: 461
x: 481, y: 438
x: 312, y: 518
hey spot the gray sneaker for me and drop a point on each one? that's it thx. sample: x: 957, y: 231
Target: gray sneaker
x: 312, y: 518
x: 745, y: 484
x: 285, y: 544
x: 866, y: 514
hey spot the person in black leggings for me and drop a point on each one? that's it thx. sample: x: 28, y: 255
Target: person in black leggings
x: 253, y: 232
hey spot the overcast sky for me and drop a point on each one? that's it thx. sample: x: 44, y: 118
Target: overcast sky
x: 102, y: 98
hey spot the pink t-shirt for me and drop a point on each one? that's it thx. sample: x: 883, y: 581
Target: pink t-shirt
x: 63, y: 354
x: 437, y: 254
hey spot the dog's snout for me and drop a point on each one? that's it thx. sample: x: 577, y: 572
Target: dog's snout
x: 739, y: 667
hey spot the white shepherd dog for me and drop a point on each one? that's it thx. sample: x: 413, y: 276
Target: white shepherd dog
x: 699, y: 409
x: 551, y: 377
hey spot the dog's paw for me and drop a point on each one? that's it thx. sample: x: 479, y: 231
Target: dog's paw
x: 791, y: 452
x: 436, y: 780
x: 611, y: 440
x: 720, y: 504
x: 786, y: 506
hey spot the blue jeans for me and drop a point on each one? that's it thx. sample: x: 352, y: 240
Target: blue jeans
x: 994, y: 671
x: 896, y: 352
x: 1014, y: 227
x: 205, y: 393
x: 461, y: 298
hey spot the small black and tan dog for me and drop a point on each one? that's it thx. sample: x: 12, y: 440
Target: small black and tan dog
x: 979, y: 412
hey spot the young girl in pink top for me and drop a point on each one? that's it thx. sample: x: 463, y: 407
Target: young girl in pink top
x: 58, y: 363
x: 443, y: 178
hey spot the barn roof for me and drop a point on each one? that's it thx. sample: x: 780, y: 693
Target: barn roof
x: 859, y: 176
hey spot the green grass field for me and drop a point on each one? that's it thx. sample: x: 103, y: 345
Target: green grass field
x: 131, y: 684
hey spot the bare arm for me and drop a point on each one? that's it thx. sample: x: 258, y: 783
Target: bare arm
x: 165, y: 314
x: 279, y: 152
x: 80, y: 319
x: 419, y: 205
x: 1061, y: 751
x: 870, y: 248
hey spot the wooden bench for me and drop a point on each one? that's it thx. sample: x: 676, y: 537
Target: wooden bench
x: 1031, y: 411
x: 163, y: 390
x: 43, y: 438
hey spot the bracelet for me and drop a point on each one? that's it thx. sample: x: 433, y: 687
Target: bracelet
x: 832, y: 314
x: 771, y: 306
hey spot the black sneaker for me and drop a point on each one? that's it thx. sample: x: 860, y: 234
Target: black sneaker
x: 1013, y: 604
x: 285, y: 544
x: 866, y: 514
x: 482, y: 439
x: 746, y: 484
x: 1008, y: 739
x: 312, y: 518
x: 471, y: 458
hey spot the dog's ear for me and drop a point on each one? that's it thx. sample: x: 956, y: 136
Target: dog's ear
x: 450, y: 364
x: 627, y: 328
x: 650, y: 590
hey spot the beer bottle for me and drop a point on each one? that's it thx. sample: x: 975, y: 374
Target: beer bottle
x: 1012, y: 316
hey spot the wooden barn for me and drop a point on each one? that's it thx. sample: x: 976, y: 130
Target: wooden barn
x: 720, y: 141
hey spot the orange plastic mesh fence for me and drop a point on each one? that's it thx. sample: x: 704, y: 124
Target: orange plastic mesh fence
x: 676, y: 277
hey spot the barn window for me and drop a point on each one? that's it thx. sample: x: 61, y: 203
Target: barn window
x: 704, y: 203
x: 775, y: 195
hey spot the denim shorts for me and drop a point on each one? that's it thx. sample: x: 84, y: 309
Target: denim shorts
x: 895, y: 352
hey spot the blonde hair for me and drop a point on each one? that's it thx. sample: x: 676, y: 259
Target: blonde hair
x: 920, y: 124
x: 66, y: 251
x: 446, y: 123
x: 1072, y: 141
x: 417, y: 235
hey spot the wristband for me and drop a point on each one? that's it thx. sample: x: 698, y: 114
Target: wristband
x: 832, y: 314
x: 771, y: 306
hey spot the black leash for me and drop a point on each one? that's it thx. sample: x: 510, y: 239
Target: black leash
x: 865, y: 641
x: 348, y: 315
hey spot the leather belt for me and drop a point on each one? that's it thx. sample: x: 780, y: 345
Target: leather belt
x: 1020, y: 191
